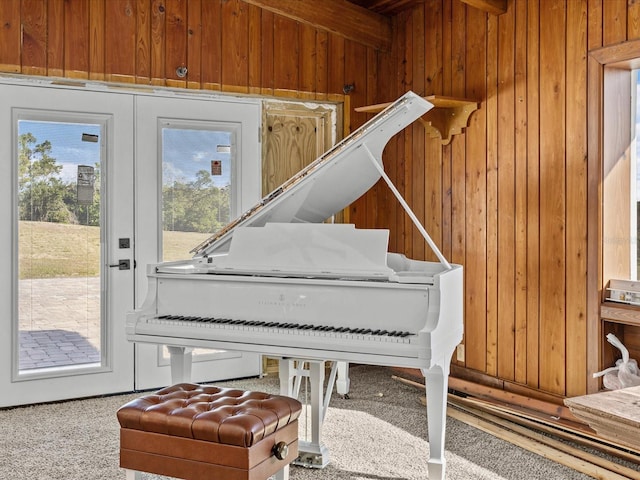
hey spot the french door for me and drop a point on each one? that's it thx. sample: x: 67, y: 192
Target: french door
x: 66, y: 184
x: 190, y: 182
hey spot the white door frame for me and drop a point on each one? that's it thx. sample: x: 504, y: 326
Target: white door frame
x: 116, y: 372
x: 243, y: 116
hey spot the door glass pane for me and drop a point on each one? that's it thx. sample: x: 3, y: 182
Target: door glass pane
x: 196, y: 187
x: 197, y: 196
x: 59, y: 248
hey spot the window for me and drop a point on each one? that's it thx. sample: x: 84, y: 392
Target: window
x: 619, y: 167
x: 198, y: 175
x: 59, y: 220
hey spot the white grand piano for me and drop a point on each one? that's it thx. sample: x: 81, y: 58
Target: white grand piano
x: 281, y: 282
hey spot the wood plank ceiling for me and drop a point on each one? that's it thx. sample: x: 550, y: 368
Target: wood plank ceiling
x: 366, y: 21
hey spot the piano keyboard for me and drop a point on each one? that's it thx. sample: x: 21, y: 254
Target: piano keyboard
x: 397, y: 336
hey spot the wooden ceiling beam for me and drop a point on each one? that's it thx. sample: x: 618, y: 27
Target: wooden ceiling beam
x: 336, y: 16
x: 496, y: 7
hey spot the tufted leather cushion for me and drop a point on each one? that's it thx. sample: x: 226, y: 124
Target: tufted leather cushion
x: 214, y: 414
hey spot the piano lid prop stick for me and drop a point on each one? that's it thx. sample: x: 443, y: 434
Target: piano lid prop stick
x: 407, y: 209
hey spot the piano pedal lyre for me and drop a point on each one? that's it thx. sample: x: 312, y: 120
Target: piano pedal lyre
x: 293, y: 372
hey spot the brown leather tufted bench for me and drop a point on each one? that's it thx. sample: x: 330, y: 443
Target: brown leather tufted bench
x: 205, y: 432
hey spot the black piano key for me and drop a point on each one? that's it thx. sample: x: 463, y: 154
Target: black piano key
x: 286, y: 325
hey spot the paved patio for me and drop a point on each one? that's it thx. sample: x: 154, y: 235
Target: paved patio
x: 59, y: 322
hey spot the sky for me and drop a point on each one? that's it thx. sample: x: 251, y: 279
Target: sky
x: 185, y: 151
x: 67, y: 146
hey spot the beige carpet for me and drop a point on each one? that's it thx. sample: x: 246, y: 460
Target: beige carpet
x: 379, y: 433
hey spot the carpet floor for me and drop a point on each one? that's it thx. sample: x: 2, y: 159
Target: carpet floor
x: 379, y: 433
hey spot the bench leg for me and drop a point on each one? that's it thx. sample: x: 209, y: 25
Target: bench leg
x: 282, y: 474
x: 133, y: 475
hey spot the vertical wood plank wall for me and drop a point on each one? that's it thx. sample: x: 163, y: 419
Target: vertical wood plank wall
x: 508, y: 199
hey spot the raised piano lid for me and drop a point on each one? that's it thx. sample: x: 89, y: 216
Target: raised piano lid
x: 331, y: 182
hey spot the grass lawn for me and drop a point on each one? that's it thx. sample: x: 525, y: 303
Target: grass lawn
x: 54, y: 250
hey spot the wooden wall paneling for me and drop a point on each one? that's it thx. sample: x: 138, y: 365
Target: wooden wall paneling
x: 255, y: 50
x: 408, y: 182
x: 633, y: 20
x: 355, y: 59
x: 286, y: 51
x: 382, y: 88
x: 34, y: 37
x: 447, y: 46
x: 307, y: 58
x: 506, y: 194
x: 336, y: 65
x: 492, y: 196
x: 322, y: 47
x: 267, y: 58
x: 594, y: 199
x: 355, y: 73
x: 418, y: 176
x: 397, y: 216
x: 120, y: 41
x: 372, y: 77
x: 235, y: 46
x: 614, y: 21
x: 10, y: 36
x: 595, y: 30
x: 55, y: 38
x: 475, y: 262
x: 143, y: 41
x: 376, y: 194
x: 552, y: 197
x: 212, y: 45
x: 446, y: 150
x: 76, y: 28
x: 194, y: 44
x: 434, y: 195
x: 520, y: 179
x: 458, y: 145
x: 97, y: 38
x: 533, y: 191
x: 576, y: 198
x: 175, y: 41
x: 158, y: 43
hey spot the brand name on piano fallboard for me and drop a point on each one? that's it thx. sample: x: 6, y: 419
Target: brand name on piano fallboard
x: 281, y: 302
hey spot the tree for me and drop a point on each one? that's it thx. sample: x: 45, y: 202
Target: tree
x: 41, y: 191
x: 196, y: 206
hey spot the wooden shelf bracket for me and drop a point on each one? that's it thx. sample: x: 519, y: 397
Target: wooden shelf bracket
x: 448, y: 117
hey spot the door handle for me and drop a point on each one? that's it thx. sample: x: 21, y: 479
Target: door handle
x: 123, y: 264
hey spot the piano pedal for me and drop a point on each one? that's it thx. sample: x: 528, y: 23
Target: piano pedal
x: 312, y: 457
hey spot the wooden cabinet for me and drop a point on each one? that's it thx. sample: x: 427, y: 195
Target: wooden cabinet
x: 624, y: 322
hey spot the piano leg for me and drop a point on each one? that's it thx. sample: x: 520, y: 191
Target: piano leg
x: 282, y: 474
x: 343, y: 382
x: 436, y: 380
x: 133, y: 474
x: 312, y: 453
x: 181, y: 359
